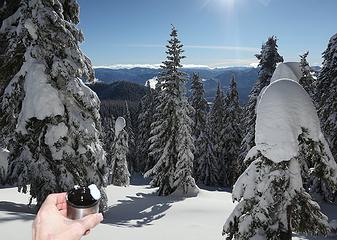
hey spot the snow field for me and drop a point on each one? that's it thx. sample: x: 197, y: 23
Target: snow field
x: 136, y: 212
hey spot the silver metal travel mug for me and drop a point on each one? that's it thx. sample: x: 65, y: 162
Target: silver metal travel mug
x: 80, y: 203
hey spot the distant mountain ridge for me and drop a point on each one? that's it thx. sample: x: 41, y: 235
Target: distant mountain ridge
x: 245, y: 76
x: 139, y: 74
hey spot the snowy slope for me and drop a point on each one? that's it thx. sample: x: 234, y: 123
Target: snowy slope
x: 136, y: 213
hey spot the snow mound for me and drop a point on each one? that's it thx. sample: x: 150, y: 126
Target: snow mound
x: 284, y: 109
x: 288, y: 70
x: 119, y: 125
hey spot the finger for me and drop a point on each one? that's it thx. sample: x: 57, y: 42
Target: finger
x: 55, y: 198
x: 61, y: 206
x: 61, y: 198
x: 91, y: 220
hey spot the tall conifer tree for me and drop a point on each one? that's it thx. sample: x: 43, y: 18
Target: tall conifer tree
x: 200, y: 107
x: 232, y: 134
x: 216, y: 125
x: 172, y: 127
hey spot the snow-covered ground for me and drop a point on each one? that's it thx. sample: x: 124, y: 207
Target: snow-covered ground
x: 137, y: 213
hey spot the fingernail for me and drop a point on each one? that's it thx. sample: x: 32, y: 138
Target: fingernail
x: 100, y: 215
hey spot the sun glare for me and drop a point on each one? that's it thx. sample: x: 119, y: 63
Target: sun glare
x: 223, y: 5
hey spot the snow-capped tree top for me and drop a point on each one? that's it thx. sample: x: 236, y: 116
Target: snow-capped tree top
x: 304, y: 64
x: 284, y: 110
x: 268, y: 57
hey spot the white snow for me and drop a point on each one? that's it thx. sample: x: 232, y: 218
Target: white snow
x: 54, y: 133
x: 284, y: 108
x: 41, y: 99
x: 153, y: 81
x: 95, y: 193
x: 288, y: 70
x: 136, y: 212
x: 30, y: 26
x: 119, y: 125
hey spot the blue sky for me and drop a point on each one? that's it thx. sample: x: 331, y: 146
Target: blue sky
x: 214, y: 32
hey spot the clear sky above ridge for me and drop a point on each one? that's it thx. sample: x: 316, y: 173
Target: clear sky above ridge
x: 214, y: 32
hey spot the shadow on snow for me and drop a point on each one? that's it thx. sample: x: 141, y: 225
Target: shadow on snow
x: 138, y: 211
x: 16, y: 211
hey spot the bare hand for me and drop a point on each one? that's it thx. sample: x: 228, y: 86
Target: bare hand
x: 51, y: 221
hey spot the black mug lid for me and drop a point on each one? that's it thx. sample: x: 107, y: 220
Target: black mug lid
x: 80, y: 197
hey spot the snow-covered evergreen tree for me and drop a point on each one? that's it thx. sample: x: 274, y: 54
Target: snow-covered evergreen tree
x: 208, y: 168
x: 315, y: 158
x: 307, y: 80
x: 184, y: 183
x: 232, y: 134
x: 273, y: 202
x: 268, y: 57
x: 171, y: 136
x: 131, y: 156
x: 327, y: 94
x: 145, y: 119
x: 108, y: 137
x: 49, y: 119
x: 119, y: 173
x: 199, y: 105
x: 216, y: 125
x: 199, y: 129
